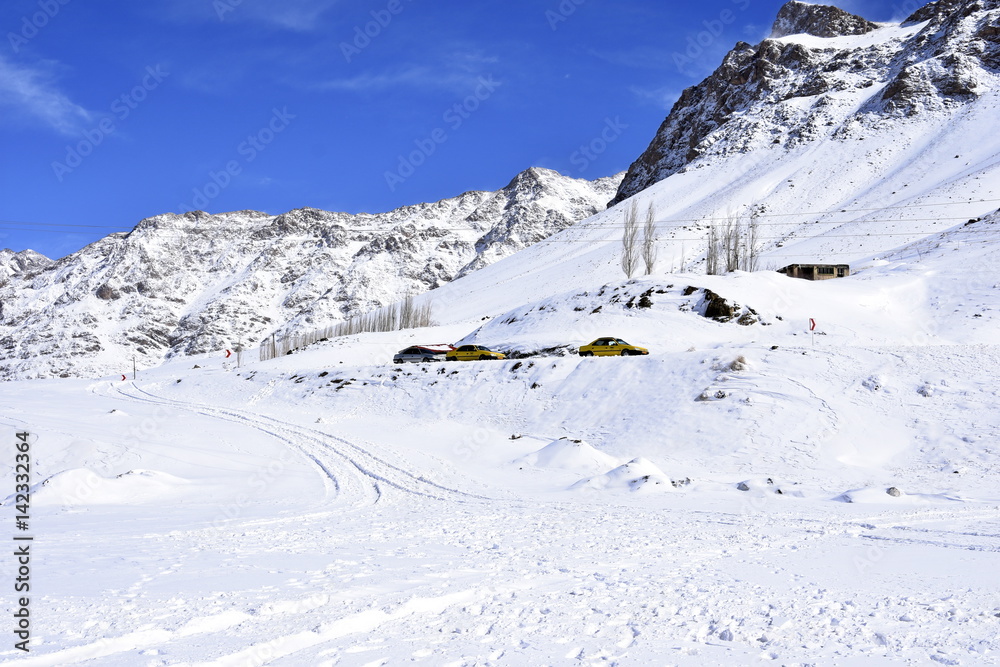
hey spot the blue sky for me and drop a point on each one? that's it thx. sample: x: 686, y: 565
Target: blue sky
x: 116, y: 111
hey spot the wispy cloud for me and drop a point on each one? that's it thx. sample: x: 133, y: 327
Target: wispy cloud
x: 663, y: 97
x: 415, y: 76
x: 303, y: 15
x: 638, y: 58
x: 297, y: 15
x: 459, y: 71
x: 30, y: 94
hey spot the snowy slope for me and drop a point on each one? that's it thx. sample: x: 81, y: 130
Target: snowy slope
x: 724, y: 500
x: 808, y: 206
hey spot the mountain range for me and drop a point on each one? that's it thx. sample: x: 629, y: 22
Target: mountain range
x: 192, y: 283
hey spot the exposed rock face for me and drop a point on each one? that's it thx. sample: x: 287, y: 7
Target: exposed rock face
x: 795, y: 18
x: 788, y: 90
x: 194, y: 283
x: 715, y: 307
x: 19, y: 263
x: 934, y: 10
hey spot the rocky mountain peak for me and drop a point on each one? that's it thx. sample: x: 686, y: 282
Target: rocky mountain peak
x: 934, y: 10
x: 532, y: 177
x: 17, y: 263
x: 798, y: 18
x: 786, y: 91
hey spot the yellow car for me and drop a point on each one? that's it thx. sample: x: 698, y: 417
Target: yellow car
x: 607, y: 347
x: 472, y: 353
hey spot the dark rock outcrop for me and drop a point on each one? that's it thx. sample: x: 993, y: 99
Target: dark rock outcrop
x: 795, y: 18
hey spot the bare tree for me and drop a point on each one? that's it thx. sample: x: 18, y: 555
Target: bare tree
x: 713, y: 251
x: 407, y: 311
x: 733, y: 245
x: 630, y: 254
x: 649, y: 240
x: 403, y: 315
x: 732, y: 234
x: 751, y: 245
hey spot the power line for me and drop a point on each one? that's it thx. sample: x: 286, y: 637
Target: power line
x: 181, y: 234
x: 55, y: 224
x: 611, y: 226
x: 814, y: 222
x: 700, y: 239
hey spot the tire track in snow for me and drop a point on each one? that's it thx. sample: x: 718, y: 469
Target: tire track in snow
x: 344, y: 487
x: 319, y: 447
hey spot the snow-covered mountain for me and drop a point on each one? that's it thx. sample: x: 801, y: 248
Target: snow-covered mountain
x: 843, y: 174
x: 185, y: 284
x: 825, y: 75
x: 18, y: 263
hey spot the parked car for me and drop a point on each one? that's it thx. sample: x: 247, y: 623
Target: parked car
x: 472, y: 353
x: 607, y: 347
x: 419, y: 353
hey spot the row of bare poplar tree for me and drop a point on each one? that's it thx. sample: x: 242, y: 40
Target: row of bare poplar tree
x: 733, y: 244
x: 631, y: 250
x: 406, y: 314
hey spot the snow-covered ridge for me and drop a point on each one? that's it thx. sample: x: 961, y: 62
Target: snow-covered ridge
x: 185, y: 284
x: 827, y: 75
x: 17, y: 263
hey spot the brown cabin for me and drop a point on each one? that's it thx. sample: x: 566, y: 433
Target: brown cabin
x: 816, y: 271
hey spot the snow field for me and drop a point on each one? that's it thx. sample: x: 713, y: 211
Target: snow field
x: 720, y: 501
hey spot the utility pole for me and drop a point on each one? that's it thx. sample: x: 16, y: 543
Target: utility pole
x: 133, y: 368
